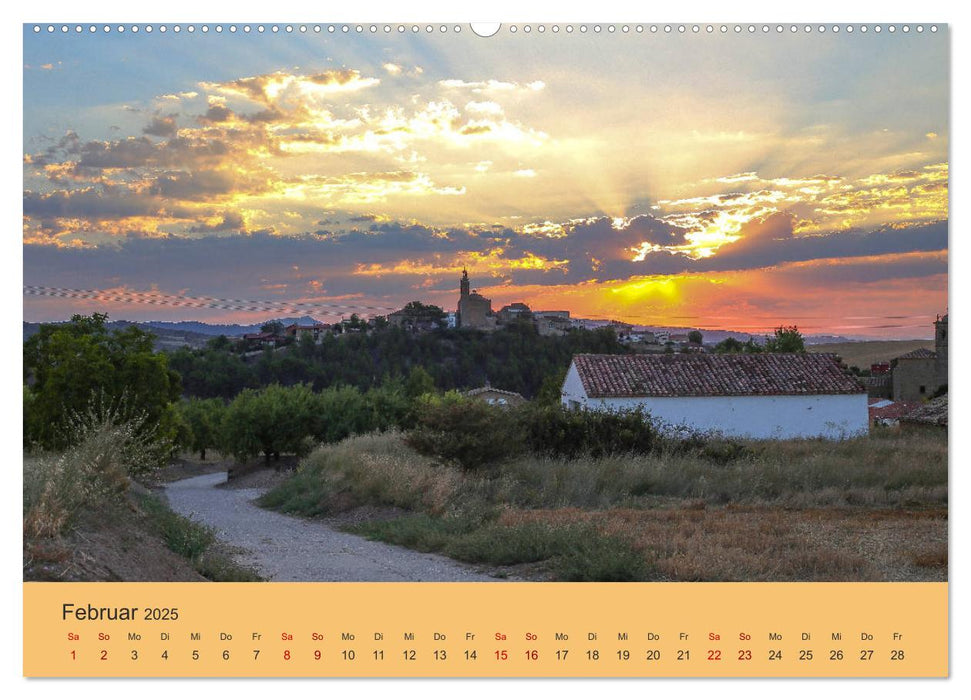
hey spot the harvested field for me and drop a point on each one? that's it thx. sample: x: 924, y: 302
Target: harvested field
x: 730, y: 543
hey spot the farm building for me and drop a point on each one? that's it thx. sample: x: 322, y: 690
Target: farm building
x: 496, y: 397
x: 763, y: 395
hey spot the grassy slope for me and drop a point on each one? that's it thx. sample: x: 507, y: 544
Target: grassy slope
x: 78, y: 529
x: 139, y: 539
x: 865, y: 353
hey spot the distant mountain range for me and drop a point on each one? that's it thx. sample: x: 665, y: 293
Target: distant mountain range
x: 173, y: 334
x: 214, y: 329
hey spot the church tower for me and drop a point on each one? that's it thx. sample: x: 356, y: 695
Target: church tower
x: 940, y: 347
x: 463, y: 297
x: 474, y: 310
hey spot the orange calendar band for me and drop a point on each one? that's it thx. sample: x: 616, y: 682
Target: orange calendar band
x: 486, y: 629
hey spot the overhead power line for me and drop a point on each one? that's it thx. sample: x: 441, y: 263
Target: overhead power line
x: 752, y: 322
x: 201, y: 302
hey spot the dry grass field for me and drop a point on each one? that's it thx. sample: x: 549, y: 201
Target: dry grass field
x: 865, y: 353
x: 868, y: 509
x: 695, y: 542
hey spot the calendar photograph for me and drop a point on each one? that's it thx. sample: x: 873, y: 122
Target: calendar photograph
x: 325, y: 306
x: 506, y: 305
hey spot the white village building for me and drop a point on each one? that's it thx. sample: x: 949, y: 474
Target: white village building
x: 765, y: 395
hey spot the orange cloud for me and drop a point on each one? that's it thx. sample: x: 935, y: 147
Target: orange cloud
x: 756, y: 301
x: 493, y: 263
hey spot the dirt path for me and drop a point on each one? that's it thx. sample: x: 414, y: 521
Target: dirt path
x: 285, y: 548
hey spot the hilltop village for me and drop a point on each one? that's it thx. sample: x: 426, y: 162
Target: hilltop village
x: 751, y: 385
x: 474, y: 312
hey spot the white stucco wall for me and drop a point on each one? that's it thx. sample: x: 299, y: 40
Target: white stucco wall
x: 572, y: 395
x: 779, y: 417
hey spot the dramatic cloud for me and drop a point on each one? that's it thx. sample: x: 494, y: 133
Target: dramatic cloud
x: 648, y: 182
x: 161, y: 126
x: 261, y: 143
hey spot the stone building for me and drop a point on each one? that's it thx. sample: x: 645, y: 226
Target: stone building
x: 940, y: 347
x: 914, y: 375
x: 474, y: 310
x: 919, y: 374
x: 553, y: 322
x: 514, y: 312
x: 878, y: 386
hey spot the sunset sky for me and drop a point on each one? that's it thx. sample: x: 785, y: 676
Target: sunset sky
x: 725, y: 181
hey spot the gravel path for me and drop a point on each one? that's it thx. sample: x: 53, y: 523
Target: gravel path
x: 286, y: 548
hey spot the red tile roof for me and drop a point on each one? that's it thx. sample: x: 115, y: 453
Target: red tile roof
x: 763, y: 374
x: 891, y: 410
x: 934, y: 412
x: 918, y: 354
x: 878, y: 380
x: 486, y: 389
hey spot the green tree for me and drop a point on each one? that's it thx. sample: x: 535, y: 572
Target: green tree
x: 274, y: 327
x: 465, y: 432
x: 416, y: 313
x: 752, y: 346
x: 204, y: 419
x: 355, y: 323
x: 80, y: 366
x: 271, y: 421
x: 729, y: 345
x: 786, y: 339
x: 208, y: 373
x: 695, y: 337
x: 30, y: 414
x: 551, y: 391
x: 220, y: 342
x: 306, y: 345
x: 389, y: 406
x: 419, y: 382
x: 514, y: 357
x: 341, y: 412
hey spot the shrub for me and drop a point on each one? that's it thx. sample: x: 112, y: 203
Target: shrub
x: 597, y: 557
x: 185, y: 537
x: 553, y: 430
x: 195, y: 542
x: 712, y: 448
x: 465, y: 432
x: 368, y: 469
x: 506, y: 545
x: 90, y: 475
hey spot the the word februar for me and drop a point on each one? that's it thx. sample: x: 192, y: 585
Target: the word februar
x: 89, y: 612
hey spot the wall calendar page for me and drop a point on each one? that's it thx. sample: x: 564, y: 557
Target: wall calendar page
x: 525, y: 350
